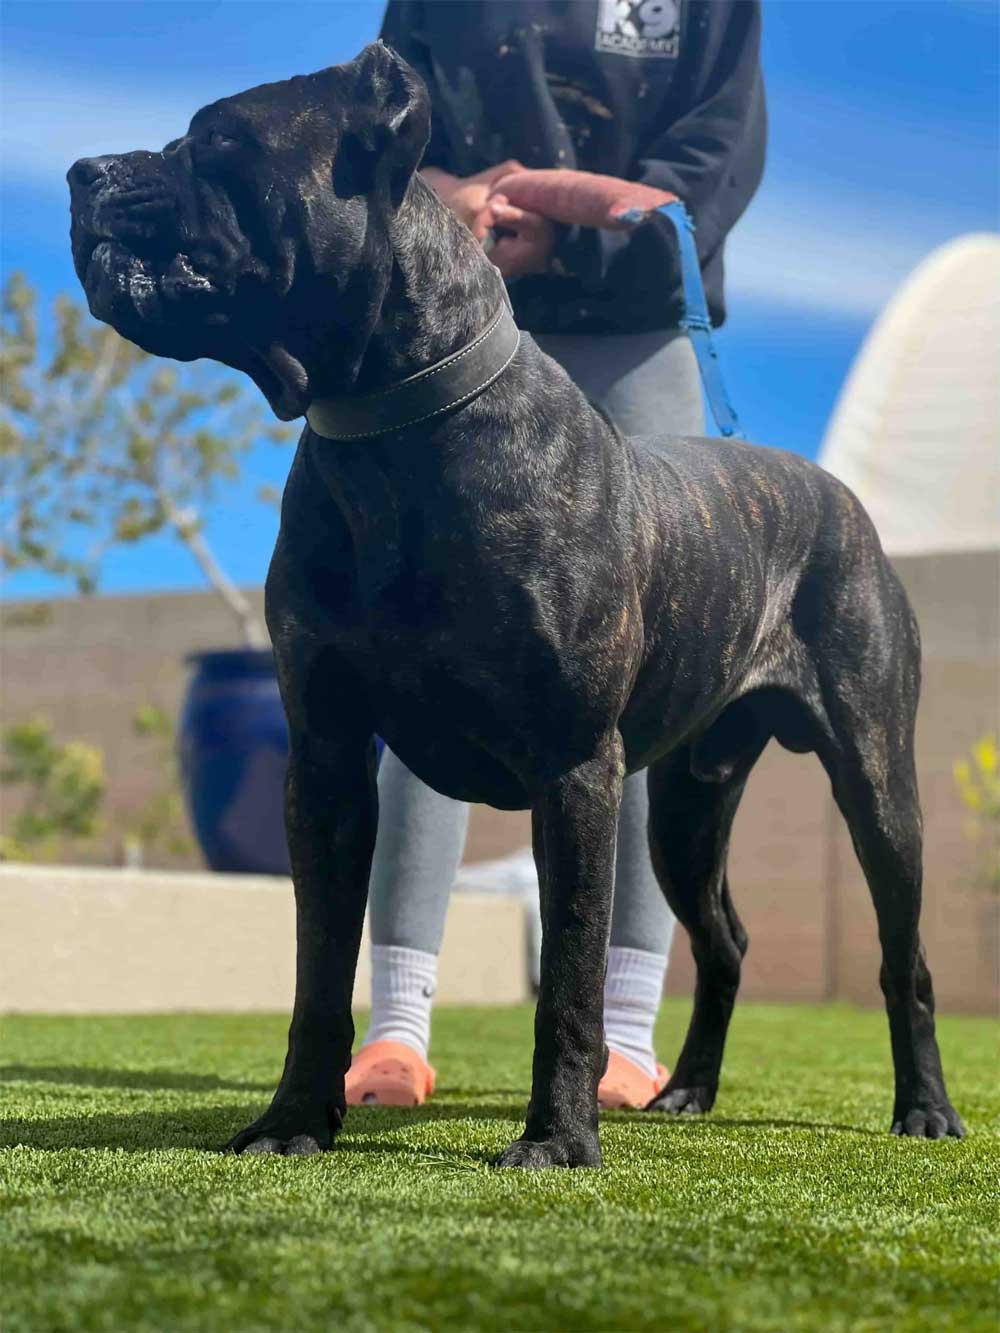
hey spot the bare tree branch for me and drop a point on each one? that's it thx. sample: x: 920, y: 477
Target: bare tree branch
x: 185, y: 524
x: 108, y: 438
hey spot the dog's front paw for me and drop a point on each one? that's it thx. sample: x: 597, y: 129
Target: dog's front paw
x: 292, y: 1128
x: 929, y: 1122
x: 683, y: 1101
x: 552, y: 1152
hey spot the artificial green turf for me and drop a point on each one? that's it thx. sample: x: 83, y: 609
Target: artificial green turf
x: 789, y: 1208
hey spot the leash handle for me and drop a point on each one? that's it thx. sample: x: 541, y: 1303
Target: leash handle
x: 697, y: 323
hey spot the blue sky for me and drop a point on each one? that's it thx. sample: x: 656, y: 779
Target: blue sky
x: 884, y: 144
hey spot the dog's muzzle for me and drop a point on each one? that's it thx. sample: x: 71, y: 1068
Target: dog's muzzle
x: 127, y: 240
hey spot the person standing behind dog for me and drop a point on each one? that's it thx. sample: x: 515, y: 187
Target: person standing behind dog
x: 640, y: 102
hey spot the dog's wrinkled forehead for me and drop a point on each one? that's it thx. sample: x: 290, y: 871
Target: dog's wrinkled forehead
x: 368, y: 99
x: 275, y: 117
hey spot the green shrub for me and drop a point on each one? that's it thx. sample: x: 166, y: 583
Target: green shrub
x: 978, y: 780
x: 63, y: 789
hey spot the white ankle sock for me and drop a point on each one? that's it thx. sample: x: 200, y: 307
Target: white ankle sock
x: 403, y: 985
x: 632, y: 993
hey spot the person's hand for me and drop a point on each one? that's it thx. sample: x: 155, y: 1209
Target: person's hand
x: 580, y: 198
x: 468, y: 196
x: 525, y: 240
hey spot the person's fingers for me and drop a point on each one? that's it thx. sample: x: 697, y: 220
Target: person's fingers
x: 626, y: 215
x: 486, y: 220
x: 508, y: 213
x: 538, y: 232
x: 520, y: 220
x: 505, y: 212
x: 480, y: 211
x: 510, y: 254
x: 511, y: 262
x: 480, y: 223
x: 498, y: 184
x: 491, y: 174
x: 582, y: 198
x: 518, y: 253
x: 560, y: 195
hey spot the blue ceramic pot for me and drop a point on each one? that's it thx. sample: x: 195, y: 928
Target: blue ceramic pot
x: 234, y: 751
x: 233, y: 746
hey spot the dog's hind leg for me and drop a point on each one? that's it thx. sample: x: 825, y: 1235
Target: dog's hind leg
x: 690, y: 820
x: 574, y: 821
x: 862, y: 640
x: 871, y: 767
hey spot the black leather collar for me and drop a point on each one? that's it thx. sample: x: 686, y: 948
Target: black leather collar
x: 438, y: 388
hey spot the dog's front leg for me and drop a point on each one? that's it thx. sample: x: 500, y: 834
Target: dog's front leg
x: 575, y: 824
x: 331, y: 817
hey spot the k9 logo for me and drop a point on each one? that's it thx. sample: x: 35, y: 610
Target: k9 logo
x: 638, y: 27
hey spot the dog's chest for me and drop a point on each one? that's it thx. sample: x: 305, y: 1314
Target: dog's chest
x: 468, y: 638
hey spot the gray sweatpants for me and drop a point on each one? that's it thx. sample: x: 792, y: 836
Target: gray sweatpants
x: 648, y: 384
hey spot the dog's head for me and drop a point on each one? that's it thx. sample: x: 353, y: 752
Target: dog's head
x: 259, y: 238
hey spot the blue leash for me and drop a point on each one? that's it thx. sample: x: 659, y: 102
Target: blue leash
x: 696, y: 321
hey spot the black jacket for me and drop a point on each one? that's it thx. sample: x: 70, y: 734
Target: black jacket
x: 667, y: 92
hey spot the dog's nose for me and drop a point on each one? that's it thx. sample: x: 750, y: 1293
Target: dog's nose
x: 88, y: 170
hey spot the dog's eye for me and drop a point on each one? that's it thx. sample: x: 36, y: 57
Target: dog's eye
x: 216, y: 139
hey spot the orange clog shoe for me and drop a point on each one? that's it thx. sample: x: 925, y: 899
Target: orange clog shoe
x: 625, y: 1086
x: 389, y: 1073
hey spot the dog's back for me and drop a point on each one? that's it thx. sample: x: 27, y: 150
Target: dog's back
x: 765, y: 570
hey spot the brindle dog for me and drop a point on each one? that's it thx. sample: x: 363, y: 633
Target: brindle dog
x: 525, y: 605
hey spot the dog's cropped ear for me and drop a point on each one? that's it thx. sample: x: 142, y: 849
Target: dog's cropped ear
x: 390, y: 117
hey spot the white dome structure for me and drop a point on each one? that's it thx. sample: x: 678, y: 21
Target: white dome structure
x: 916, y: 430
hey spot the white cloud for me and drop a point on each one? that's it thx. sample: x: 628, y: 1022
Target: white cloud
x: 842, y: 260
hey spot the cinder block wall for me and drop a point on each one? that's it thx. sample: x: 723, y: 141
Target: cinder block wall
x: 793, y: 872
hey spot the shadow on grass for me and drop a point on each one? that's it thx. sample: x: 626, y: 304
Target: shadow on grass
x: 702, y: 1124
x: 84, y: 1076
x: 209, y: 1128
x: 138, y: 1131
x: 367, y: 1130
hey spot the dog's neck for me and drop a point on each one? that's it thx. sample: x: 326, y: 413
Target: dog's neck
x: 423, y: 290
x: 441, y: 292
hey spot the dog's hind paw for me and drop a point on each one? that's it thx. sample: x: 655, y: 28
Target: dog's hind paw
x: 940, y: 1122
x: 550, y: 1152
x: 683, y: 1101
